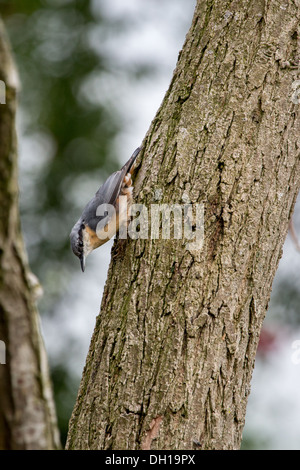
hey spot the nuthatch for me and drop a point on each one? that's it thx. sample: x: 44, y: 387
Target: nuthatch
x: 98, y: 223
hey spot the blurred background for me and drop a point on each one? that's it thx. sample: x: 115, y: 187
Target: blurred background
x: 93, y: 74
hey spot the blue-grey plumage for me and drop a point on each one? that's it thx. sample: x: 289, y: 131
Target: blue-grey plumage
x: 84, y: 235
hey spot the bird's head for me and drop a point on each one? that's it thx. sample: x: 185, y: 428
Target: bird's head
x: 80, y: 242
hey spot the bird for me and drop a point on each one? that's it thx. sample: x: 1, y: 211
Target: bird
x: 102, y: 217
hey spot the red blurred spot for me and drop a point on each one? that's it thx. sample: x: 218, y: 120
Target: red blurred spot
x: 268, y: 341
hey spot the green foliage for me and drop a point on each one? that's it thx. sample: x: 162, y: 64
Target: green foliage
x: 65, y: 392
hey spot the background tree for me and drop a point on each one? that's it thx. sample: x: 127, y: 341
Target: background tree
x: 27, y: 413
x: 172, y: 354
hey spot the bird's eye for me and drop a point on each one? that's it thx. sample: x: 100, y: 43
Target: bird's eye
x: 82, y: 226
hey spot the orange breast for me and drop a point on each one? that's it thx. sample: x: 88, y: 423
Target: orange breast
x: 113, y: 225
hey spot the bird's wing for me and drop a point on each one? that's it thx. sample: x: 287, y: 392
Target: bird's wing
x: 108, y: 192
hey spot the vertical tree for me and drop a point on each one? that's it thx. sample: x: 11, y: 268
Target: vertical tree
x: 27, y: 414
x: 174, y: 346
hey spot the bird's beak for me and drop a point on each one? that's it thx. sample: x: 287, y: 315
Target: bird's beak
x: 82, y: 262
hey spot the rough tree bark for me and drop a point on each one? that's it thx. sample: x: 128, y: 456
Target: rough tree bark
x: 172, y: 354
x: 27, y: 413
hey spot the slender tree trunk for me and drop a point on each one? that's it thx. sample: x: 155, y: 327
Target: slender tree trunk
x: 174, y: 346
x: 27, y: 414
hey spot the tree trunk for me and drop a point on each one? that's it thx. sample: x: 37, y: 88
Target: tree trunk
x: 172, y: 354
x: 27, y: 414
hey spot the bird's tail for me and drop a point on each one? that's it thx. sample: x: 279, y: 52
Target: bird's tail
x: 129, y: 166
